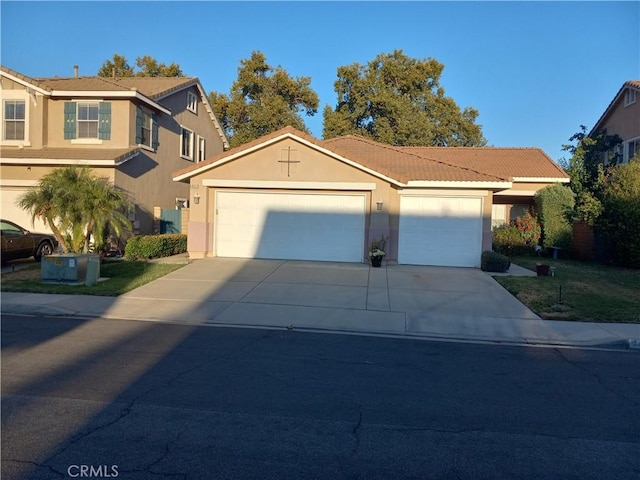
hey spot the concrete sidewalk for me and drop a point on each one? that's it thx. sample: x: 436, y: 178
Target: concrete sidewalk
x: 407, y: 301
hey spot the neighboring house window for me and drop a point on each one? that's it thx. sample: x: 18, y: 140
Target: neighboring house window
x: 146, y: 128
x: 613, y: 156
x: 186, y: 143
x: 201, y: 149
x: 629, y: 97
x: 632, y: 148
x: 14, y: 120
x: 87, y: 120
x: 192, y: 102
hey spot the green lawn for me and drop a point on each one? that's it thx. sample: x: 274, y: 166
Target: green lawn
x: 122, y: 276
x: 579, y: 291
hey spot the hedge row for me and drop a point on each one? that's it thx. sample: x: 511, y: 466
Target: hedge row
x: 155, y: 246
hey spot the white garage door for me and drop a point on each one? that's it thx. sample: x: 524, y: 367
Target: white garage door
x: 326, y: 227
x: 10, y: 211
x: 444, y: 231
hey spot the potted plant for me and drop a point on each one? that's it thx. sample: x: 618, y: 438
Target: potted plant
x: 376, y: 251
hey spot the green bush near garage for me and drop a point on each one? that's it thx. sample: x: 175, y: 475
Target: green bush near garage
x: 494, y: 262
x: 155, y: 246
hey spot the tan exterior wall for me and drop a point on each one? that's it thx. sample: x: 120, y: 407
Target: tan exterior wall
x: 121, y: 126
x: 264, y: 165
x: 624, y: 121
x: 148, y: 176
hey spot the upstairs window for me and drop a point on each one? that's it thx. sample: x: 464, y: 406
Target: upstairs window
x: 87, y: 120
x: 186, y: 143
x: 146, y: 128
x: 192, y: 102
x: 629, y: 97
x: 14, y: 120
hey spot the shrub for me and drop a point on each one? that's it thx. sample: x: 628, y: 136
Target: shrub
x: 620, y: 220
x: 155, y: 246
x: 554, y: 207
x: 494, y: 262
x: 529, y: 229
x: 509, y: 240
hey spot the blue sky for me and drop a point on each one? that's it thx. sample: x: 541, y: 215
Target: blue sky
x: 535, y: 71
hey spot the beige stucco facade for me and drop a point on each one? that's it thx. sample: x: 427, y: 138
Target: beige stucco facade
x: 315, y: 172
x: 145, y: 173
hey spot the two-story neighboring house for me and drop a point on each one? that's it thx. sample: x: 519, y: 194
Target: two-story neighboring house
x: 622, y: 118
x: 134, y: 131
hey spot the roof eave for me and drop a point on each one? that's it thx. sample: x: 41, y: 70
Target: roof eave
x: 110, y: 94
x: 69, y: 161
x: 459, y: 184
x: 25, y: 83
x: 542, y: 179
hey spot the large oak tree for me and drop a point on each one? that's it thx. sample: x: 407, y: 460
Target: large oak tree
x: 398, y: 100
x: 147, y: 67
x: 263, y: 99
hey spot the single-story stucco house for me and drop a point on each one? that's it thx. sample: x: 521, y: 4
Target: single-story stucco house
x: 288, y: 195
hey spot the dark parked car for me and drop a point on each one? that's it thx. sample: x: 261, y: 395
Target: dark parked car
x: 20, y: 243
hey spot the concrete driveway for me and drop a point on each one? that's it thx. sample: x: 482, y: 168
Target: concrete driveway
x: 341, y: 296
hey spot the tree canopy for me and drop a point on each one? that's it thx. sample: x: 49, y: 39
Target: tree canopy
x: 398, y: 100
x: 78, y: 206
x: 147, y: 65
x: 263, y: 99
x: 587, y: 169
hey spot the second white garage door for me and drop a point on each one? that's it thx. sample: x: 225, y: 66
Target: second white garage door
x: 444, y: 231
x: 325, y: 227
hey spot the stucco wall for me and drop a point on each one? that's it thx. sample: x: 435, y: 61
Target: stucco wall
x: 267, y: 165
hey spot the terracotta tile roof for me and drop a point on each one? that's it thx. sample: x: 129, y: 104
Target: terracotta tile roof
x: 403, y: 164
x: 633, y: 83
x: 114, y: 154
x: 501, y: 162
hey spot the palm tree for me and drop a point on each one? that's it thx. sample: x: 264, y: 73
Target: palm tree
x: 74, y: 201
x: 40, y: 203
x: 105, y: 211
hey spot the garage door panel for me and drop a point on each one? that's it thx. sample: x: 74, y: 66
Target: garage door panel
x: 290, y: 226
x: 444, y: 231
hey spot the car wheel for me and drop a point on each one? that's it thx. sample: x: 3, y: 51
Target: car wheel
x: 44, y: 249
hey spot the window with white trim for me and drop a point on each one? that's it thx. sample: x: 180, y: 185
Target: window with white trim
x: 14, y: 120
x: 87, y: 120
x: 192, y: 102
x: 629, y: 97
x: 201, y: 149
x: 186, y: 143
x: 631, y: 149
x: 14, y: 115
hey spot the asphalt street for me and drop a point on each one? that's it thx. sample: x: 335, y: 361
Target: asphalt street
x: 141, y: 400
